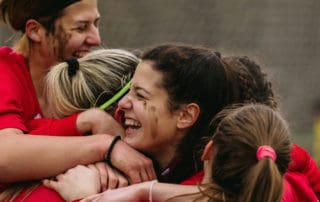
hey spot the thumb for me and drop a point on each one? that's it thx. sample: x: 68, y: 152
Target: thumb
x: 50, y: 184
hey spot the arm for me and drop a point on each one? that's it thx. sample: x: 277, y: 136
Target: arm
x: 83, y: 181
x: 91, y: 121
x: 144, y: 192
x: 28, y: 157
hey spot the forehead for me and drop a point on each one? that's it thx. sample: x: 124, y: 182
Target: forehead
x: 84, y: 10
x: 145, y: 74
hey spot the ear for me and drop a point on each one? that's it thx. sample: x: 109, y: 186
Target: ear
x: 34, y: 30
x: 208, y: 151
x: 188, y: 115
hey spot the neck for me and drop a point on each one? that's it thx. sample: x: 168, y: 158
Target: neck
x: 38, y: 67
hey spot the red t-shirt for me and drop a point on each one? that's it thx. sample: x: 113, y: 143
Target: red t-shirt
x: 18, y: 101
x: 39, y: 194
x: 301, y: 181
x: 19, y: 106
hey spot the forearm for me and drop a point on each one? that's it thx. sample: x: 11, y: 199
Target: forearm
x: 165, y: 191
x: 28, y: 157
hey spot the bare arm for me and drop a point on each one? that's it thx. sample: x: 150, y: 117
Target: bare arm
x: 28, y: 157
x: 143, y: 192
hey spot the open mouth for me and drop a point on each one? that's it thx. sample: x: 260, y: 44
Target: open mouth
x: 80, y: 53
x: 130, y: 123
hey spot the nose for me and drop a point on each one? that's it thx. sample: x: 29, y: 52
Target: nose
x: 93, y: 37
x: 125, y: 102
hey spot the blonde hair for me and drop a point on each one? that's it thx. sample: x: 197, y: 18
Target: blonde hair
x: 100, y: 75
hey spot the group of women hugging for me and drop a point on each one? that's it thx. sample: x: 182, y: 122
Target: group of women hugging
x: 176, y: 122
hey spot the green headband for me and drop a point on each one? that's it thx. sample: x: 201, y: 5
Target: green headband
x: 116, y: 96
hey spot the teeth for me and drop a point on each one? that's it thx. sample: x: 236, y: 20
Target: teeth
x: 132, y: 123
x: 80, y: 54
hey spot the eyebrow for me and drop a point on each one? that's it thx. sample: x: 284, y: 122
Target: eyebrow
x: 137, y: 88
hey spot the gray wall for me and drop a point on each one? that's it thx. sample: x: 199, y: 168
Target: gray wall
x: 283, y: 35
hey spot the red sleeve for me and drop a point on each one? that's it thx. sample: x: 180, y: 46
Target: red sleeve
x: 18, y: 101
x: 39, y: 194
x: 297, y: 188
x: 195, y: 179
x: 57, y: 127
x: 302, y: 163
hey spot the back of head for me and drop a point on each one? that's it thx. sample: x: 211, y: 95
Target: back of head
x: 99, y: 76
x: 248, y: 83
x: 238, y: 133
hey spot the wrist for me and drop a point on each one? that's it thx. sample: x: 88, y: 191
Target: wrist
x: 110, y: 149
x: 150, y: 190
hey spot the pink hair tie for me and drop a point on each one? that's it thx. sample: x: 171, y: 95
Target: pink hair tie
x: 266, y: 151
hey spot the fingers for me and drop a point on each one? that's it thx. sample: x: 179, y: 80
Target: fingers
x: 52, y: 184
x: 112, y: 178
x: 122, y: 181
x: 103, y: 172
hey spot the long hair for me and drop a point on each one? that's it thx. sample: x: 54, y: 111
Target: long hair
x: 190, y: 75
x: 100, y: 75
x: 203, y: 76
x: 238, y: 132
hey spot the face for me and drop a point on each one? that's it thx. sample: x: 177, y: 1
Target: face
x: 76, y: 32
x: 150, y: 126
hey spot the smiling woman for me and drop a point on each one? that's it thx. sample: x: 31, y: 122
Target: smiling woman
x: 51, y: 31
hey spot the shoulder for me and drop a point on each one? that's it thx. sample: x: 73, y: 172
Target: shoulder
x: 8, y: 54
x: 300, y: 158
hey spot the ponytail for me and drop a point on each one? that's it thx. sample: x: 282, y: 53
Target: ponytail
x: 263, y: 182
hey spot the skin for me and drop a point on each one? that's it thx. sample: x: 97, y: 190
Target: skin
x: 80, y: 183
x: 146, y: 113
x: 77, y: 32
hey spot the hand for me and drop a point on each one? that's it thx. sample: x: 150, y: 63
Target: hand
x: 78, y: 182
x: 132, y: 193
x: 110, y: 178
x: 97, y: 121
x: 135, y: 165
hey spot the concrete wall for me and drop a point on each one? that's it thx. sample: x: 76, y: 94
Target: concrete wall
x: 282, y: 35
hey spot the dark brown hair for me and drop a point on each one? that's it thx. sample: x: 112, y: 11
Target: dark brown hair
x: 200, y: 75
x: 16, y: 12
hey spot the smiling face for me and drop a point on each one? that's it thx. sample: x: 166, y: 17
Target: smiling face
x: 150, y: 126
x: 76, y: 32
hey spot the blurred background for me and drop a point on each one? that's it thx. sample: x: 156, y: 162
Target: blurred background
x: 283, y: 36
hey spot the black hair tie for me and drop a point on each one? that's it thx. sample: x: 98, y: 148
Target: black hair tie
x: 73, y: 66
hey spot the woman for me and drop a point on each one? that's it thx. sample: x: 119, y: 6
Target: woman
x: 159, y: 111
x: 52, y: 31
x: 176, y: 89
x: 245, y: 160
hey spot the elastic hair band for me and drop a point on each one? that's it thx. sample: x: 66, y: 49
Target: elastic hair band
x: 266, y: 151
x: 108, y: 156
x: 73, y: 66
x: 116, y: 96
x: 151, y: 190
